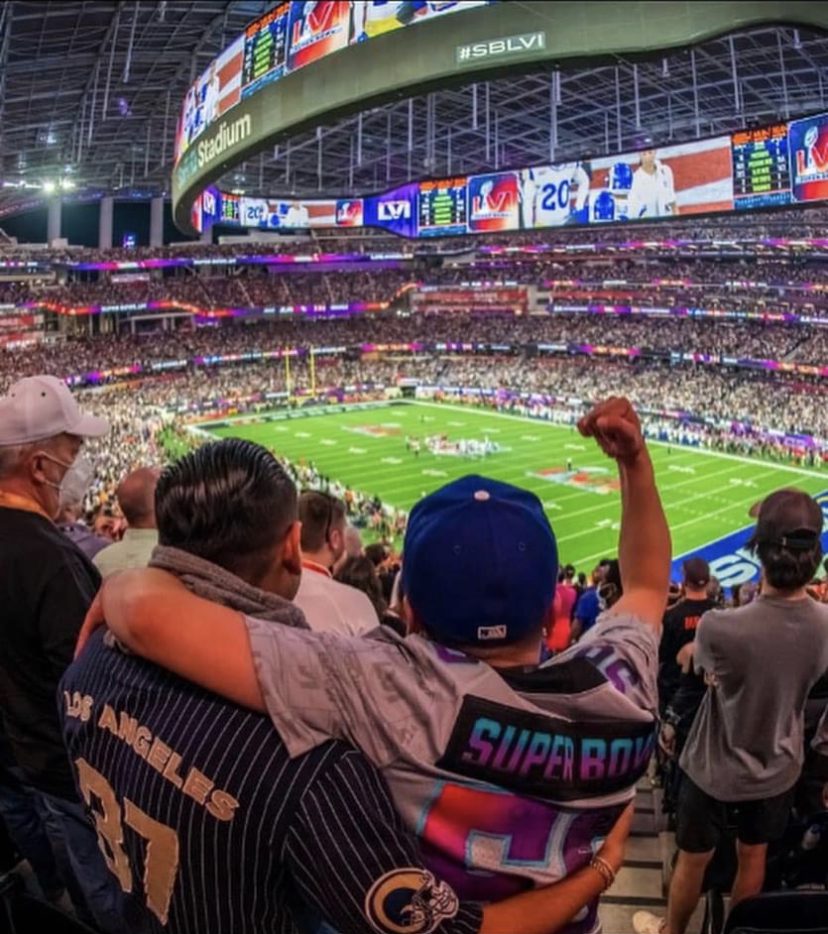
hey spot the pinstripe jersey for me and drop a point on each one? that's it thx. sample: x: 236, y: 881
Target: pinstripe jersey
x: 210, y: 828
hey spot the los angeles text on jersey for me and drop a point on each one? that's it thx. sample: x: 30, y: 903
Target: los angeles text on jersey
x: 546, y: 756
x: 165, y: 760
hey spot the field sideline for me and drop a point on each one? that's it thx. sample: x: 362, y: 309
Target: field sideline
x: 706, y: 494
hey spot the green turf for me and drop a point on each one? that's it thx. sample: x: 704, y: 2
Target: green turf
x: 706, y: 495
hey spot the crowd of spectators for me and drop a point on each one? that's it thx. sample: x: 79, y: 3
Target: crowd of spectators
x: 793, y: 223
x: 154, y: 388
x: 492, y: 332
x: 698, y: 406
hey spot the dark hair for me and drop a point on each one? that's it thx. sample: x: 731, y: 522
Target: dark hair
x: 787, y: 568
x: 319, y: 513
x: 377, y: 553
x: 359, y: 572
x: 228, y: 502
x: 611, y: 588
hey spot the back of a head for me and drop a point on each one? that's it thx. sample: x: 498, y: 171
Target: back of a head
x: 377, y: 553
x: 136, y: 497
x: 787, y: 539
x: 319, y: 513
x: 696, y: 573
x: 610, y: 588
x: 229, y: 502
x: 359, y: 572
x: 480, y: 565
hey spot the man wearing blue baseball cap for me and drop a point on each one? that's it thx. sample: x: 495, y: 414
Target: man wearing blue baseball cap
x: 511, y: 772
x: 497, y: 536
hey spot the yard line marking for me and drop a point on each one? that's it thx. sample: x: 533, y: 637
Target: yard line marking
x: 615, y: 502
x: 664, y: 444
x: 328, y: 442
x: 357, y: 451
x: 391, y: 460
x: 703, y: 517
x: 705, y: 494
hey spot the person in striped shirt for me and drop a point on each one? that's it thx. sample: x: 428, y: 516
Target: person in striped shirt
x: 205, y: 820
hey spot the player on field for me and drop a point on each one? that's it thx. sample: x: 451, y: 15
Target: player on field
x: 204, y: 819
x: 510, y: 772
x: 547, y: 192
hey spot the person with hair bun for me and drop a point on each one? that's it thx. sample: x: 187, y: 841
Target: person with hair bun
x: 746, y: 748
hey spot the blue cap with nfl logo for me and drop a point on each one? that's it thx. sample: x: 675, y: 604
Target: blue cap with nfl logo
x: 479, y: 563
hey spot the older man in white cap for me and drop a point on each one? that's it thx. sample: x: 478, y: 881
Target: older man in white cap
x: 46, y: 586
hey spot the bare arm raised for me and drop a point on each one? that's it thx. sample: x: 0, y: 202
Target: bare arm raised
x: 644, y: 546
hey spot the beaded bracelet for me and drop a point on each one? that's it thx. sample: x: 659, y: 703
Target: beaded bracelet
x: 603, y: 868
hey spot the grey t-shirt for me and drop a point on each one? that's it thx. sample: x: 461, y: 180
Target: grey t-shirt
x: 509, y: 778
x: 760, y: 661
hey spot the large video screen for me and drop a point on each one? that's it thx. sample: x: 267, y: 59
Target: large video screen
x: 761, y: 167
x: 289, y: 37
x: 758, y: 168
x: 808, y: 143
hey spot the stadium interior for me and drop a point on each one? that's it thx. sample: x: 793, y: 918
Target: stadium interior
x: 389, y: 296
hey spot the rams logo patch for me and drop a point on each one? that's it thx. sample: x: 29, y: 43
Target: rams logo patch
x: 409, y: 901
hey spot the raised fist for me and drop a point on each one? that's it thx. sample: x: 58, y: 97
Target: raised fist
x: 615, y: 426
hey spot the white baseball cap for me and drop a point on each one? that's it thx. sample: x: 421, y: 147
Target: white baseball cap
x: 39, y: 407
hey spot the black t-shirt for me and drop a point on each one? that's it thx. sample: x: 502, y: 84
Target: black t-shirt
x: 680, y: 624
x: 46, y: 586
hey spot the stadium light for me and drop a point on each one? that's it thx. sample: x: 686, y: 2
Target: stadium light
x: 49, y: 187
x: 67, y: 184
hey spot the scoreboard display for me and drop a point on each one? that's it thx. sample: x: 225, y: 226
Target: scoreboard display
x: 442, y: 206
x: 230, y: 209
x: 265, y: 50
x: 761, y: 169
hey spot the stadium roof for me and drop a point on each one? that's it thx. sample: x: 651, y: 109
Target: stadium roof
x: 90, y: 91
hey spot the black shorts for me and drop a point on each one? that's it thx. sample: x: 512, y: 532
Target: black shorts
x: 701, y: 821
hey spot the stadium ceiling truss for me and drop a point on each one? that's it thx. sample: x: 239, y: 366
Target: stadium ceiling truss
x: 91, y: 91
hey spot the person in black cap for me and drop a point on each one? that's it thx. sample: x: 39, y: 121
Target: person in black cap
x: 746, y: 746
x: 680, y: 624
x: 680, y: 689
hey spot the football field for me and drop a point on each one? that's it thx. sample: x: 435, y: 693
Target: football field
x: 706, y: 494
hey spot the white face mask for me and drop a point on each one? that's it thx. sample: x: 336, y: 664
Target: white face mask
x: 75, y: 482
